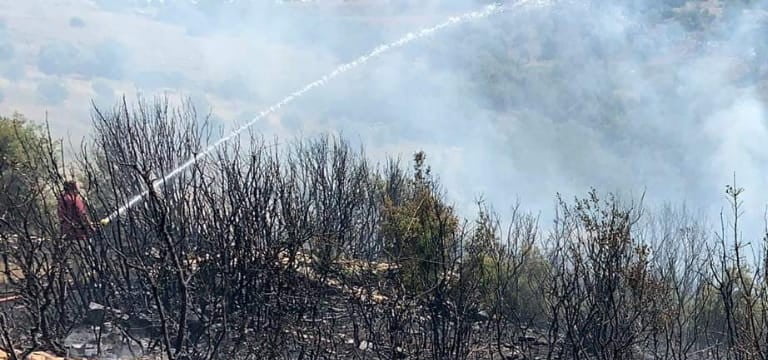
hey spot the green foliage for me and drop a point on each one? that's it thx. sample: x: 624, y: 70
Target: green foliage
x: 12, y: 130
x: 20, y: 142
x: 419, y: 229
x: 510, y: 284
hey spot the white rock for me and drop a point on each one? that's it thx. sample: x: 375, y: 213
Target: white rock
x: 363, y: 345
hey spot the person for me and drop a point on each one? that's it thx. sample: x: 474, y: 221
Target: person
x: 73, y: 213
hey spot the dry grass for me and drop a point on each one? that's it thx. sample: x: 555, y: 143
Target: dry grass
x: 15, y: 272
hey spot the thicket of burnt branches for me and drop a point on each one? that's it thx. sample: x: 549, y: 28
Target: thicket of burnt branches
x: 306, y: 250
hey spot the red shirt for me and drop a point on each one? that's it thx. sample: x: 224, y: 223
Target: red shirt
x: 73, y: 215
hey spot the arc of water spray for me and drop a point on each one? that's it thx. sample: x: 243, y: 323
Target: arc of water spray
x: 487, y: 11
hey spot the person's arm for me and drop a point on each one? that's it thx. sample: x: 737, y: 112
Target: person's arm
x: 82, y: 212
x: 60, y: 209
x: 80, y: 207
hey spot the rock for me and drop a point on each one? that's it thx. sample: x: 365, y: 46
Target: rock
x: 378, y: 298
x: 95, y: 306
x: 90, y: 350
x: 540, y: 342
x: 37, y: 355
x: 526, y: 338
x: 480, y: 316
x: 363, y: 345
x: 512, y: 354
x: 77, y: 340
x: 98, y: 313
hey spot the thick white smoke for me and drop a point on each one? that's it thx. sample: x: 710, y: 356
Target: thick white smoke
x: 661, y: 96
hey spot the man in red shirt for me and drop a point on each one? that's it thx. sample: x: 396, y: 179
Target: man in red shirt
x: 73, y: 213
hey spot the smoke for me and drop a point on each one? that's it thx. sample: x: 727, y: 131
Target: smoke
x: 6, y: 47
x: 12, y: 70
x: 233, y: 88
x: 51, y: 92
x: 60, y: 58
x: 104, y: 94
x: 658, y: 97
x: 325, y: 79
x: 105, y: 59
x: 155, y: 80
x: 6, y: 50
x: 604, y: 95
x: 76, y: 22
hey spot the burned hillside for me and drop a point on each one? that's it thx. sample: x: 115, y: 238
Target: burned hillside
x: 307, y: 250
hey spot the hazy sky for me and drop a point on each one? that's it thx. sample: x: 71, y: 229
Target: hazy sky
x: 554, y: 98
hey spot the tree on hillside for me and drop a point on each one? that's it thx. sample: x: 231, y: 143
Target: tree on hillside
x: 419, y: 228
x: 19, y: 140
